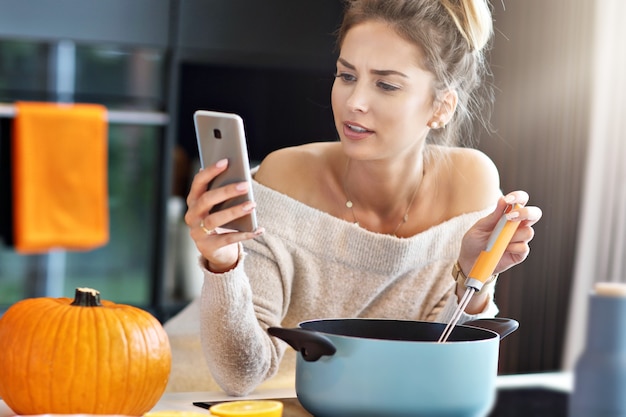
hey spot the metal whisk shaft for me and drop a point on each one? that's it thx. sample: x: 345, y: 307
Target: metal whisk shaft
x: 469, y: 293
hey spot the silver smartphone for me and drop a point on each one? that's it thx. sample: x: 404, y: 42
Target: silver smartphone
x: 221, y: 135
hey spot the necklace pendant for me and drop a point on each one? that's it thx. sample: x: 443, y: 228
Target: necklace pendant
x: 349, y: 204
x: 405, y: 218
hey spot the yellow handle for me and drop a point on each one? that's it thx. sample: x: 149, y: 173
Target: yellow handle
x: 498, y: 241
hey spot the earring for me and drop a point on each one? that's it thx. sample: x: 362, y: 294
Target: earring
x: 434, y: 125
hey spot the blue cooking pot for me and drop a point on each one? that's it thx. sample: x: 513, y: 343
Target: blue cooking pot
x: 395, y: 368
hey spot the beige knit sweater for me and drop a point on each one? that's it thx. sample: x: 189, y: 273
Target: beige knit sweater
x: 308, y: 265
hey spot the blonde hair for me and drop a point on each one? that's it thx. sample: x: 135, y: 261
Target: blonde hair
x: 473, y: 19
x: 454, y: 36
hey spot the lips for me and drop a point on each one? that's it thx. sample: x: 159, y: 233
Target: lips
x: 356, y: 128
x: 355, y: 131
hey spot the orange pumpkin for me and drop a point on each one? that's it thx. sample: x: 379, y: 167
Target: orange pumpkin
x: 59, y: 356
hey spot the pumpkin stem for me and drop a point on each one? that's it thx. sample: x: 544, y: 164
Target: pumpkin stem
x: 86, y: 297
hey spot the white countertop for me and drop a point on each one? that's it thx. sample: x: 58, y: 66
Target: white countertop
x: 561, y: 381
x: 182, y: 401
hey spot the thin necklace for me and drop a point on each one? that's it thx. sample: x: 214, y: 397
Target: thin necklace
x: 350, y: 205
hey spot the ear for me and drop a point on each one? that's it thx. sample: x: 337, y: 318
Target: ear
x: 444, y: 108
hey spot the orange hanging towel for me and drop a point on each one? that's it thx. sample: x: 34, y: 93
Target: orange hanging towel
x: 60, y: 191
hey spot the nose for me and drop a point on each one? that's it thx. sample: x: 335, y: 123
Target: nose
x: 357, y: 99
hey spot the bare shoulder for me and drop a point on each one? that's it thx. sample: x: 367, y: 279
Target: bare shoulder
x: 294, y: 169
x: 473, y: 179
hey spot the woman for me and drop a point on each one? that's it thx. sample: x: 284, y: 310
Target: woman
x: 373, y: 224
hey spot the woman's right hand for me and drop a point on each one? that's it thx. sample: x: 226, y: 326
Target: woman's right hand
x: 218, y: 246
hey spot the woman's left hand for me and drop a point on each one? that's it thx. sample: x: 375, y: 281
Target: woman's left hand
x: 475, y: 240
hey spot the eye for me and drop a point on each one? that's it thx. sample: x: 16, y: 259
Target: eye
x: 386, y: 86
x: 345, y: 76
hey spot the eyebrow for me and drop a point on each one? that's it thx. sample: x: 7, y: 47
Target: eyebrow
x: 374, y: 71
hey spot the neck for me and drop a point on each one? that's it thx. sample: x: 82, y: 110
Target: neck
x: 380, y: 199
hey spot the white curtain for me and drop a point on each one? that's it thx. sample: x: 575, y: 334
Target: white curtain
x: 601, y: 243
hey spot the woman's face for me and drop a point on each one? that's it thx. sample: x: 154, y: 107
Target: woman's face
x: 382, y: 96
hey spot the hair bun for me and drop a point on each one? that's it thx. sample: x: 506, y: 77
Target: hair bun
x: 473, y: 19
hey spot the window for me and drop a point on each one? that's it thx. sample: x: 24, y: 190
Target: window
x: 122, y: 79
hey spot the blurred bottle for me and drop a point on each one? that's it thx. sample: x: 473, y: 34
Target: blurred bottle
x: 600, y: 373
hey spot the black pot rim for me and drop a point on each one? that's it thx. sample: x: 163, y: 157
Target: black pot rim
x: 396, y: 330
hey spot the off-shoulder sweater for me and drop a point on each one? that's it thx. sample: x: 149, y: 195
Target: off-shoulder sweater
x: 311, y: 265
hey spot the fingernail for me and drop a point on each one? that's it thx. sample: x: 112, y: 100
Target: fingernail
x: 509, y: 199
x: 249, y: 206
x: 259, y: 231
x: 221, y: 163
x: 242, y: 186
x: 512, y: 215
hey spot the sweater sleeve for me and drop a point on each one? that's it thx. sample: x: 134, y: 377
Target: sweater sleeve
x: 450, y: 304
x: 234, y: 318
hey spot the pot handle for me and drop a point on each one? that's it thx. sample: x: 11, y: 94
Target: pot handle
x: 502, y: 326
x: 310, y: 344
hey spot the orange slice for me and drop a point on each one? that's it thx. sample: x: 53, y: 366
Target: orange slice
x: 174, y: 413
x: 251, y: 408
